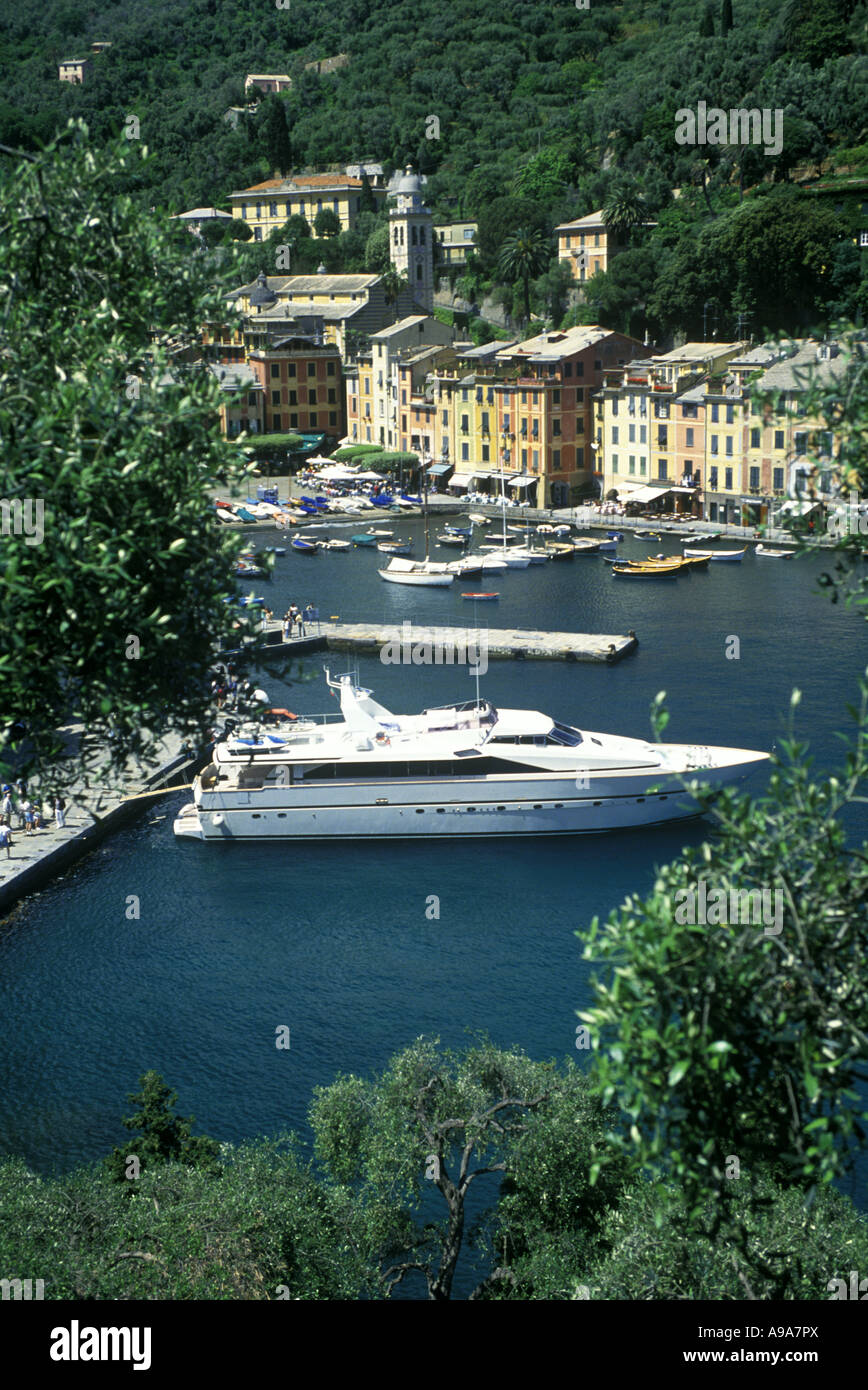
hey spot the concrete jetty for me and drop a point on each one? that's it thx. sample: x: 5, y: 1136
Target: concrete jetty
x: 508, y: 643
x: 91, y: 814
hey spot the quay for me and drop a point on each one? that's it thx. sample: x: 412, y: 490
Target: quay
x: 37, y: 858
x: 517, y: 644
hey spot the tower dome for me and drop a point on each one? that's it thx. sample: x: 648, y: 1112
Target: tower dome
x: 262, y: 296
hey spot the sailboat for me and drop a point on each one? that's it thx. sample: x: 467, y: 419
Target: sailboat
x: 515, y: 557
x: 425, y: 573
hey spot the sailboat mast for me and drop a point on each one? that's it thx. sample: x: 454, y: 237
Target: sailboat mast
x: 425, y: 495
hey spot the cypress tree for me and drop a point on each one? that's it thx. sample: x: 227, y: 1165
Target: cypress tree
x: 706, y: 24
x: 725, y: 17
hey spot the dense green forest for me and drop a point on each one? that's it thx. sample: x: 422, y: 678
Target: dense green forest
x: 560, y: 109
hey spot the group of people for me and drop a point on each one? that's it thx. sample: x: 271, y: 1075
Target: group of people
x: 30, y: 815
x: 227, y: 690
x: 297, y: 619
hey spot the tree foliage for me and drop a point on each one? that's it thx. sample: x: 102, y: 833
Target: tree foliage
x: 110, y: 429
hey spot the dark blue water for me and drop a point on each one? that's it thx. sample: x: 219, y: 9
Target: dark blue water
x: 234, y: 941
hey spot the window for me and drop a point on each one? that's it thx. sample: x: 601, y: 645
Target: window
x: 534, y: 458
x: 615, y: 439
x: 730, y: 414
x: 643, y: 433
x: 275, y: 369
x: 445, y: 418
x: 662, y: 436
x: 556, y: 398
x: 800, y: 442
x: 275, y: 398
x: 333, y: 417
x: 714, y: 443
x: 465, y: 425
x: 688, y: 437
x: 712, y: 479
x: 568, y: 369
x: 614, y: 405
x: 729, y: 446
x: 689, y: 412
x: 486, y: 453
x: 778, y: 479
x: 311, y: 397
x: 556, y: 460
x: 580, y: 457
x: 485, y: 429
x: 727, y: 473
x: 524, y: 460
x: 754, y: 475
x: 272, y: 208
x: 330, y: 368
x: 580, y: 369
x: 291, y: 369
x: 755, y: 439
x: 465, y: 453
x: 293, y: 398
x: 779, y: 439
x: 614, y: 463
x: 332, y: 396
x: 661, y: 468
x: 715, y: 411
x: 556, y: 427
x: 293, y: 422
x: 312, y: 419
x: 311, y: 369
x: 257, y: 233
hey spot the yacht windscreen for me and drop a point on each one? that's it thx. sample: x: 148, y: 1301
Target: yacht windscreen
x: 563, y: 734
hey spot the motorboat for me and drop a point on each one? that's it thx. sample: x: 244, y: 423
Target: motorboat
x: 511, y: 557
x: 774, y: 554
x: 456, y: 770
x: 450, y: 538
x: 637, y: 570
x: 731, y: 557
x: 478, y: 519
x: 340, y: 546
x: 364, y: 539
x: 423, y: 573
x: 304, y: 546
x: 481, y: 597
x: 396, y: 547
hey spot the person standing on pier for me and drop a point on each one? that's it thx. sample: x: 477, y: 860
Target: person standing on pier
x: 6, y: 840
x: 6, y: 807
x: 59, y: 810
x: 287, y: 626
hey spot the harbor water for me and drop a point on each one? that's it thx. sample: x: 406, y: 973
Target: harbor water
x: 360, y: 948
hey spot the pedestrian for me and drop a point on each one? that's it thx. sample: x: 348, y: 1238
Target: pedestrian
x: 6, y: 839
x: 26, y: 811
x: 309, y: 614
x: 299, y: 618
x: 287, y: 627
x: 6, y: 806
x: 59, y: 812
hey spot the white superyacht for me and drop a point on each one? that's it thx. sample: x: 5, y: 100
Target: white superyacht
x: 457, y: 770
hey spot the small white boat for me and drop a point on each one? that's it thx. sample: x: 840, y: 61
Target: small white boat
x: 731, y: 557
x: 396, y: 547
x: 510, y: 557
x: 774, y: 554
x: 448, y: 538
x: 478, y: 519
x: 422, y: 573
x: 337, y: 545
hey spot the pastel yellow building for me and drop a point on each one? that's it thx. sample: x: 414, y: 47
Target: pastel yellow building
x: 73, y: 69
x: 266, y: 206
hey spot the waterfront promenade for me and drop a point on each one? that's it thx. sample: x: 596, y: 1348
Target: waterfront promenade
x: 91, y: 814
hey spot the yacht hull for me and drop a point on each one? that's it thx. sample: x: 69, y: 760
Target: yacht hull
x: 492, y: 807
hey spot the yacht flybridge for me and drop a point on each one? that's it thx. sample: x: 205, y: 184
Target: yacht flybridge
x: 464, y: 769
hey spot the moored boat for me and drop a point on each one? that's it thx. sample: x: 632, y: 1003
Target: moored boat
x: 774, y: 554
x: 304, y: 546
x: 458, y: 770
x: 731, y: 557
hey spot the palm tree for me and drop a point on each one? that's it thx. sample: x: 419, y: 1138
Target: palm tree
x: 623, y: 209
x: 394, y: 283
x: 523, y: 255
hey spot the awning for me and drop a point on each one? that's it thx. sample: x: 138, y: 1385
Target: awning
x: 524, y: 480
x: 648, y: 494
x: 800, y: 507
x: 461, y: 479
x: 494, y: 473
x: 438, y: 468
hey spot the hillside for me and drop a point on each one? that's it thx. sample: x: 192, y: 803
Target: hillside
x: 561, y: 104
